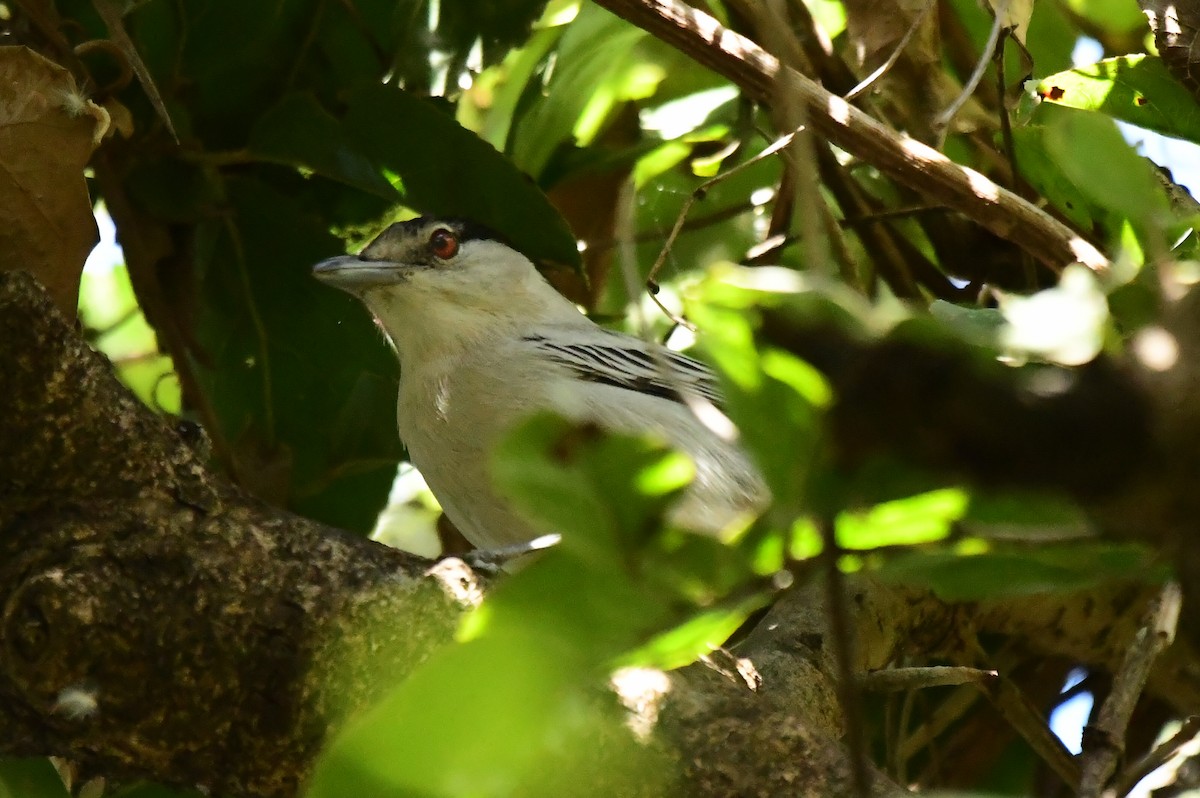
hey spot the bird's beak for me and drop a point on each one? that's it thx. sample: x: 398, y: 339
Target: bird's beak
x: 353, y: 274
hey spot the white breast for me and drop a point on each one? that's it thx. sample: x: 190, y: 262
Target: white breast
x: 451, y: 415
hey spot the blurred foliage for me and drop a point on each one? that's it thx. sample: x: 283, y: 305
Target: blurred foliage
x: 306, y: 125
x: 30, y: 778
x: 109, y: 311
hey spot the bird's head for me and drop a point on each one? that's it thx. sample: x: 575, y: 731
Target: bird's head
x: 444, y: 278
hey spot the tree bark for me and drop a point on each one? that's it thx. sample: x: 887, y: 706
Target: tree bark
x: 155, y: 622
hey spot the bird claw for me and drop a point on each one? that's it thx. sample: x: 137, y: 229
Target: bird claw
x: 494, y: 561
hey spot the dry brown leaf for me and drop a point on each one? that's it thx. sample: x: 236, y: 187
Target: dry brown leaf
x: 122, y: 119
x: 48, y: 131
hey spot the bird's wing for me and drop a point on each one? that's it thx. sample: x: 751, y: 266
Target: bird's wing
x: 625, y: 362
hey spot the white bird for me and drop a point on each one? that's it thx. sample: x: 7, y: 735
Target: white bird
x: 484, y: 342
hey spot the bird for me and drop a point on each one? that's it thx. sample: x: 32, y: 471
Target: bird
x: 484, y: 342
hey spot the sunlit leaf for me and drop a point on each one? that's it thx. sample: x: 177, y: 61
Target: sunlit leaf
x: 582, y: 77
x: 699, y: 635
x: 805, y: 540
x: 925, y: 518
x: 1134, y: 88
x: 472, y: 721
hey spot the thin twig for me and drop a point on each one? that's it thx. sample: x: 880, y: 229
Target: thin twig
x: 894, y: 679
x: 111, y: 13
x: 887, y: 65
x: 694, y: 223
x: 1104, y: 741
x: 1010, y: 149
x: 1006, y: 134
x: 941, y: 122
x: 1027, y: 720
x: 1127, y: 779
x: 699, y: 194
x: 891, y: 213
x: 946, y: 714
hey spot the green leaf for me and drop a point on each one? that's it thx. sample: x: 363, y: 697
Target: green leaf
x: 1095, y: 157
x: 472, y: 721
x: 1046, y: 173
x: 1133, y: 88
x: 697, y: 636
x: 298, y: 131
x: 495, y: 716
x: 775, y: 399
x: 29, y: 778
x: 281, y: 355
x: 606, y: 494
x: 925, y: 518
x: 592, y: 57
x: 1113, y: 16
x: 449, y: 171
x: 611, y: 609
x: 1016, y: 572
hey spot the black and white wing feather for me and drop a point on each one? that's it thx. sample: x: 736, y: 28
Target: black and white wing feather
x: 625, y: 362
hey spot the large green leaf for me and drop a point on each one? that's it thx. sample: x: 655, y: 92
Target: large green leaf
x: 298, y: 131
x: 1080, y: 140
x: 501, y: 715
x: 1044, y: 171
x: 300, y: 382
x: 449, y: 171
x: 1133, y: 88
x: 30, y: 778
x: 1020, y: 572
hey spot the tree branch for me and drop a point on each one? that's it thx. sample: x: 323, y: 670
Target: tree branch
x: 156, y: 622
x: 908, y: 161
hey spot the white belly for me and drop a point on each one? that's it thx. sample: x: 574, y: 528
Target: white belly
x: 450, y: 422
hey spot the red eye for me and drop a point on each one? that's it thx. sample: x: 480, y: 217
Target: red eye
x: 443, y: 243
